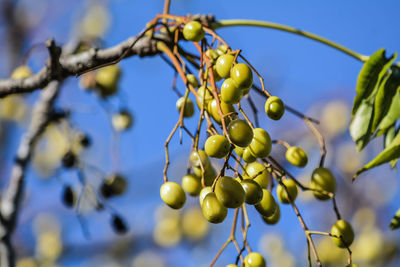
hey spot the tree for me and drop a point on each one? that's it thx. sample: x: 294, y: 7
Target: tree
x: 234, y: 131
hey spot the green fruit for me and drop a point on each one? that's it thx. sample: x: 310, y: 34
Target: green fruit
x: 217, y: 146
x: 291, y: 188
x: 274, y: 218
x: 352, y: 265
x: 21, y: 72
x: 248, y: 156
x: 107, y: 79
x: 222, y: 49
x: 225, y: 108
x: 239, y: 150
x: 203, y: 93
x: 217, y: 78
x: 253, y: 191
x: 192, y: 80
x: 258, y: 173
x: 230, y: 92
x: 212, y: 54
x: 242, y: 75
x: 209, y: 174
x: 344, y: 234
x: 189, y: 107
x: 213, y: 210
x: 261, y: 144
x: 224, y: 64
x: 193, y: 31
x: 296, y: 156
x: 191, y: 184
x: 267, y: 205
x: 203, y: 193
x: 199, y: 158
x: 232, y: 265
x: 274, y: 107
x: 229, y: 192
x: 240, y: 133
x: 323, y: 179
x: 254, y: 259
x: 173, y: 195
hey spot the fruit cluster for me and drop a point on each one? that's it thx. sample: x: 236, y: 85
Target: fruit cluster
x: 222, y: 84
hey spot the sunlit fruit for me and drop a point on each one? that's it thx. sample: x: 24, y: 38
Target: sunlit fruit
x: 322, y: 180
x: 254, y: 259
x: 247, y: 156
x: 274, y: 107
x: 296, y: 156
x: 274, y: 218
x: 260, y: 145
x: 225, y: 108
x: 230, y: 92
x: 198, y: 158
x: 229, y: 192
x: 213, y: 210
x: 122, y: 120
x: 192, y: 80
x: 267, y: 205
x: 193, y: 31
x: 224, y: 64
x: 203, y: 193
x: 209, y: 173
x: 253, y: 191
x: 217, y: 146
x: 242, y: 75
x: 282, y: 192
x: 240, y: 132
x: 343, y: 234
x: 173, y: 195
x: 188, y: 109
x: 258, y: 173
x: 204, y: 95
x: 191, y: 184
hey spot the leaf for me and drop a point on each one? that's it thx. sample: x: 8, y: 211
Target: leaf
x: 392, y: 115
x: 361, y: 124
x: 395, y: 223
x: 370, y: 75
x: 391, y: 152
x: 384, y: 96
x: 389, y: 136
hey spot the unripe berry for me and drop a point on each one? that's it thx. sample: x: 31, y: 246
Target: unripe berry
x: 189, y: 107
x: 322, y: 179
x: 291, y: 188
x: 224, y: 64
x: 213, y: 210
x: 230, y: 92
x: 274, y: 107
x: 267, y: 205
x: 258, y: 173
x: 242, y: 75
x: 240, y: 133
x: 229, y: 192
x: 296, y: 156
x: 217, y: 146
x: 274, y: 218
x: 193, y: 31
x: 254, y: 259
x: 260, y: 145
x: 191, y: 184
x: 173, y: 195
x: 343, y: 232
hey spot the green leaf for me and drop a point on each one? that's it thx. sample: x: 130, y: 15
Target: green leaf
x: 370, y: 75
x: 391, y: 152
x: 389, y: 136
x: 360, y: 126
x: 395, y: 223
x: 392, y: 115
x: 384, y: 96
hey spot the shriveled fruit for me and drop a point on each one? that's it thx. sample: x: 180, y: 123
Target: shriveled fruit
x: 254, y: 259
x: 267, y: 205
x: 322, y: 179
x: 229, y: 192
x: 230, y: 92
x: 274, y: 218
x: 203, y: 193
x: 240, y: 132
x: 258, y: 173
x: 217, y: 146
x: 191, y: 184
x: 343, y: 233
x: 242, y: 75
x: 253, y: 191
x: 213, y: 210
x: 68, y: 196
x: 274, y: 107
x: 225, y: 108
x: 291, y: 188
x: 193, y: 31
x: 173, y: 195
x: 188, y: 109
x: 118, y: 224
x: 296, y: 156
x: 224, y: 64
x: 260, y: 145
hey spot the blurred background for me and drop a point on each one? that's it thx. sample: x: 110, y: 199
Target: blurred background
x: 310, y: 77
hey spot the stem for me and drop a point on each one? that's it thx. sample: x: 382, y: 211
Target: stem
x: 276, y: 26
